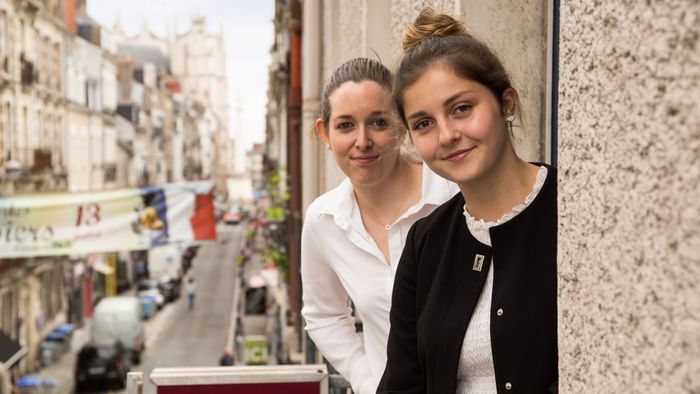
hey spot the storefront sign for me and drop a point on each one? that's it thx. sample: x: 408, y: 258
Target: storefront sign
x: 128, y: 219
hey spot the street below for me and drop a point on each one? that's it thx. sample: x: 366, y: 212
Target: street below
x: 196, y: 337
x: 178, y: 336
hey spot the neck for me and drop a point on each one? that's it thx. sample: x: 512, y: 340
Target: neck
x: 394, y: 194
x: 496, y: 193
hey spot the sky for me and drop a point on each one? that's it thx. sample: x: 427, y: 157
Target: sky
x: 248, y: 35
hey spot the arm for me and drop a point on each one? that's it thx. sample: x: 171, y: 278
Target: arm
x: 328, y: 315
x: 403, y: 373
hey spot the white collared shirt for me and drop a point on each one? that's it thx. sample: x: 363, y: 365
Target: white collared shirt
x: 340, y: 261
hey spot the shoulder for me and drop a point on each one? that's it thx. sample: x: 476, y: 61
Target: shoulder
x: 551, y: 180
x: 548, y: 193
x: 327, y: 203
x: 440, y: 219
x: 436, y: 189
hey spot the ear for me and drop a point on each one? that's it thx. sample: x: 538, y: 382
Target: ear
x: 509, y: 102
x: 321, y: 131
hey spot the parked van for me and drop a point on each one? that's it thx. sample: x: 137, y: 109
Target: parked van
x: 119, y: 318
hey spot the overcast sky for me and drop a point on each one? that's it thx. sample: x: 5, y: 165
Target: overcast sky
x: 248, y: 33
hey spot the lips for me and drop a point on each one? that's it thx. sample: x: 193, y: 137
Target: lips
x: 364, y: 160
x: 458, y: 154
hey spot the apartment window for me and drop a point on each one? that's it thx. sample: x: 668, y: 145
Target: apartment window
x: 8, y: 311
x: 7, y: 137
x: 4, y: 50
x: 52, y: 291
x: 3, y: 137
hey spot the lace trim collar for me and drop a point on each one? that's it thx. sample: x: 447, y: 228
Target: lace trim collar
x: 472, y: 221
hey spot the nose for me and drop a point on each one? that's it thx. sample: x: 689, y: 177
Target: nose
x: 363, y: 140
x: 447, y: 134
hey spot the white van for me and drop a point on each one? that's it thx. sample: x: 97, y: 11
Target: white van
x: 119, y: 318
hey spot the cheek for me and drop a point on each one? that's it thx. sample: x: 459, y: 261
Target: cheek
x: 425, y: 147
x: 339, y: 142
x: 487, y: 127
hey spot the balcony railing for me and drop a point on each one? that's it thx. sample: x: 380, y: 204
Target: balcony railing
x: 306, y: 378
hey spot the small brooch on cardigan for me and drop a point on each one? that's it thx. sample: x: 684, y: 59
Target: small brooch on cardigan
x: 478, y: 262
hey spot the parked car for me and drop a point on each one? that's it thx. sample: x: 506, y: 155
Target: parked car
x: 232, y: 217
x: 100, y: 367
x: 169, y: 287
x: 119, y: 319
x: 150, y: 288
x: 188, y: 255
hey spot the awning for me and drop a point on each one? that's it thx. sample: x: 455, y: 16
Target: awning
x: 103, y: 268
x: 97, y: 262
x: 10, y: 351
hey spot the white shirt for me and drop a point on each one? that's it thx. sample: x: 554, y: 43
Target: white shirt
x: 340, y: 261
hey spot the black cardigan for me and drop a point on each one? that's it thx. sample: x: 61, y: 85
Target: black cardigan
x: 437, y: 287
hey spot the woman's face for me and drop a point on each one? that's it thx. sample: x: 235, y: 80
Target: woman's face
x: 456, y: 124
x: 363, y: 132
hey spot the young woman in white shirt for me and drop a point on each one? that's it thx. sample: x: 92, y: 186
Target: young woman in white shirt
x: 354, y: 234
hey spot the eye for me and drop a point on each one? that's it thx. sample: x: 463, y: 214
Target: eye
x: 463, y: 108
x: 379, y: 123
x: 344, y: 126
x: 421, y: 124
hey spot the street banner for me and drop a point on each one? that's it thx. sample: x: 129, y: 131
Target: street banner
x: 52, y: 224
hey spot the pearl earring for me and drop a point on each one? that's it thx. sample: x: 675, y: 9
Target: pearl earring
x: 328, y: 146
x: 509, y: 123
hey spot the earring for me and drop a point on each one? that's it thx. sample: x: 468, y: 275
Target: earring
x: 328, y: 146
x: 509, y: 123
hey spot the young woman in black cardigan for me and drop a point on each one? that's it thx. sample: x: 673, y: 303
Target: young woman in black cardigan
x: 474, y: 301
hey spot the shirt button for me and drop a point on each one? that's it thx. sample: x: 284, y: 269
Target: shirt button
x: 499, y: 312
x: 508, y: 386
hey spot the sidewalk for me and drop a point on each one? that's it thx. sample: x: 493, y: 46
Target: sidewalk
x: 61, y: 372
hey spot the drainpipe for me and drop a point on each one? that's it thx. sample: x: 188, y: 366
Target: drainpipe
x: 294, y: 157
x: 311, y: 90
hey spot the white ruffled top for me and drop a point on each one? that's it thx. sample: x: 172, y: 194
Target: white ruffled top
x: 475, y: 374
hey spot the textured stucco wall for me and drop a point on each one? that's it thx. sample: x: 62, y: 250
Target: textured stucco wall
x: 629, y: 187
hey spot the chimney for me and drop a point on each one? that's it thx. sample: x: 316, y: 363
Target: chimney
x: 69, y: 14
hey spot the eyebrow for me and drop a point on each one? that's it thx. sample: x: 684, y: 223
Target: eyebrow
x: 373, y: 113
x: 450, y: 100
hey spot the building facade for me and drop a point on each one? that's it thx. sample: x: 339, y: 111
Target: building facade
x: 32, y: 159
x: 32, y: 109
x: 199, y: 61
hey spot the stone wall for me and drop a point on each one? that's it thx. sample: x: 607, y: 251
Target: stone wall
x: 629, y: 197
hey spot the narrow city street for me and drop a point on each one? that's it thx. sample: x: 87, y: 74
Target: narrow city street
x: 196, y: 338
x: 177, y: 336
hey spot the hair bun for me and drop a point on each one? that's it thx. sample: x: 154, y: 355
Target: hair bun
x: 429, y: 24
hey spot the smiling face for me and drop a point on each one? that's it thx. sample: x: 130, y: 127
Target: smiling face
x: 457, y: 125
x: 363, y: 132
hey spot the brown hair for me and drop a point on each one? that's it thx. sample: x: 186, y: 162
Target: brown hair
x: 356, y: 70
x: 439, y: 38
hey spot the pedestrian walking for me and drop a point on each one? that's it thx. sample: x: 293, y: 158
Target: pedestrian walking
x: 190, y: 289
x: 474, y: 303
x: 353, y: 235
